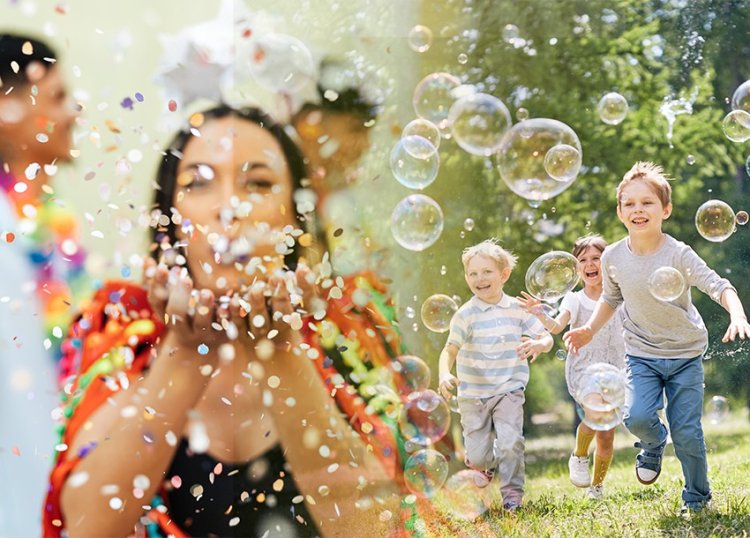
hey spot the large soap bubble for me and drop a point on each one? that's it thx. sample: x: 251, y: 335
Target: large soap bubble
x: 741, y: 97
x: 478, y: 122
x: 415, y: 162
x: 437, y: 312
x: 602, y: 391
x: 612, y: 108
x: 417, y: 222
x: 666, y: 284
x: 461, y: 497
x: 425, y: 129
x: 425, y: 472
x: 433, y: 97
x: 715, y: 220
x: 562, y: 162
x: 736, y: 126
x: 281, y: 63
x: 552, y: 275
x: 520, y: 159
x: 424, y: 418
x: 413, y: 372
x: 717, y: 409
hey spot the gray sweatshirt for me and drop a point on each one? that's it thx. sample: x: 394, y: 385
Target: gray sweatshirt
x: 653, y: 328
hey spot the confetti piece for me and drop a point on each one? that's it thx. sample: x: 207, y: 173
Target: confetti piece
x: 127, y: 103
x: 172, y: 105
x: 10, y: 237
x: 139, y: 97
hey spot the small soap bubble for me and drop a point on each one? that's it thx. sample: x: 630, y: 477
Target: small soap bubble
x: 469, y: 224
x: 437, y: 312
x: 420, y: 38
x: 715, y: 221
x: 612, y: 108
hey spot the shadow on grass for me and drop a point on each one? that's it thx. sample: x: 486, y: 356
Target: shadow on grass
x: 731, y: 518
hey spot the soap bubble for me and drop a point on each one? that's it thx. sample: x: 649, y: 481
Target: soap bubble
x: 552, y: 275
x: 424, y: 417
x: 612, y: 108
x: 461, y: 497
x: 281, y: 63
x: 562, y: 162
x: 468, y: 224
x: 415, y: 162
x: 434, y: 96
x: 437, y: 312
x: 425, y: 129
x: 741, y: 217
x: 736, y: 126
x: 717, y: 409
x: 561, y: 355
x: 417, y: 222
x: 522, y: 114
x: 478, y: 122
x: 413, y: 371
x: 715, y: 221
x: 420, y: 38
x: 520, y: 159
x: 666, y: 284
x: 425, y: 472
x: 601, y: 392
x: 741, y: 97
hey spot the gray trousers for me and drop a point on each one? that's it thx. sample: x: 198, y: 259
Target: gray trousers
x: 493, y: 439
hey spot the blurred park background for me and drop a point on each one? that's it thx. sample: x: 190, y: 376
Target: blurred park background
x: 544, y: 58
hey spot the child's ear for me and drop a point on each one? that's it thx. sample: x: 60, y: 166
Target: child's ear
x: 505, y: 274
x: 667, y: 211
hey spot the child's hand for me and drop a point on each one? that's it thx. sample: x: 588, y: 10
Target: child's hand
x: 530, y: 348
x: 448, y: 384
x: 577, y: 338
x: 737, y: 327
x: 532, y: 305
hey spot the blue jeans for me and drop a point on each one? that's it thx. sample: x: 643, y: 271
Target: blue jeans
x: 682, y: 382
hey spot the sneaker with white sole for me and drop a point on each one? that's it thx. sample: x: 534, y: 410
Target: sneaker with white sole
x: 579, y: 471
x: 647, y: 466
x: 482, y: 479
x: 596, y: 493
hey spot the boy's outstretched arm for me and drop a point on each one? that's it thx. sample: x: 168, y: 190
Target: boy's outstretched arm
x: 738, y: 325
x: 448, y: 382
x: 531, y: 348
x: 577, y: 338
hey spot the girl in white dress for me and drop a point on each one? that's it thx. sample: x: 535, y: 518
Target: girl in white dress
x: 607, y: 347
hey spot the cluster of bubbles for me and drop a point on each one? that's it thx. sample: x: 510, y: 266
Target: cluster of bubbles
x: 736, y: 124
x: 715, y: 220
x: 525, y: 166
x: 552, y: 275
x: 666, y: 284
x: 601, y: 394
x: 717, y: 409
x: 417, y: 222
x: 437, y: 312
x: 612, y: 108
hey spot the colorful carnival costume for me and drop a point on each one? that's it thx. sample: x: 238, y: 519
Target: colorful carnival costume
x: 111, y: 344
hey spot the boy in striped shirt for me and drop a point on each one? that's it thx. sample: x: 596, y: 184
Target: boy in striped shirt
x: 492, y: 339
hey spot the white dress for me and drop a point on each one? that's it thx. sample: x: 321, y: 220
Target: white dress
x: 28, y: 388
x: 607, y: 346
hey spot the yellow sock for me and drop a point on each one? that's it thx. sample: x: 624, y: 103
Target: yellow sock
x: 601, y: 466
x: 583, y: 441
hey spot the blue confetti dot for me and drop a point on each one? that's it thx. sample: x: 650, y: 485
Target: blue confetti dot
x: 139, y: 97
x: 115, y: 297
x: 125, y: 272
x: 203, y: 349
x: 327, y: 362
x: 127, y: 103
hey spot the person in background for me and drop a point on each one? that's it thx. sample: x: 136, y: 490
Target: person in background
x: 40, y: 259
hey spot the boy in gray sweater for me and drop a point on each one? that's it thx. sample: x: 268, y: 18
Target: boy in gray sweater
x: 664, y: 339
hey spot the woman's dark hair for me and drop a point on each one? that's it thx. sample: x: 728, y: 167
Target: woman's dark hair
x: 12, y: 50
x: 166, y: 175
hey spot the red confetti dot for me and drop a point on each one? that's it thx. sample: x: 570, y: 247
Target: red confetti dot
x: 10, y: 237
x: 172, y: 105
x: 247, y: 32
x: 16, y: 451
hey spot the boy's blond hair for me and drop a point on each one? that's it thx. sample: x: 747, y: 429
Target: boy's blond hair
x: 653, y: 175
x: 492, y: 250
x: 591, y: 240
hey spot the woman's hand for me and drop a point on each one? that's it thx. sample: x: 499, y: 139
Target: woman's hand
x: 577, y: 338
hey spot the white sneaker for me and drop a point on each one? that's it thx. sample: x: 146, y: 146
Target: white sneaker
x: 596, y: 493
x: 579, y: 471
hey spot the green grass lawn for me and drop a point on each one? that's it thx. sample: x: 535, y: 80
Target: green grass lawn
x: 554, y: 507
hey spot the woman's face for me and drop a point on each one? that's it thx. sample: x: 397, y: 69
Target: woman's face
x: 234, y: 193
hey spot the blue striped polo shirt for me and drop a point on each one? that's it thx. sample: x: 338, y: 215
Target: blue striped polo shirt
x: 487, y: 336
